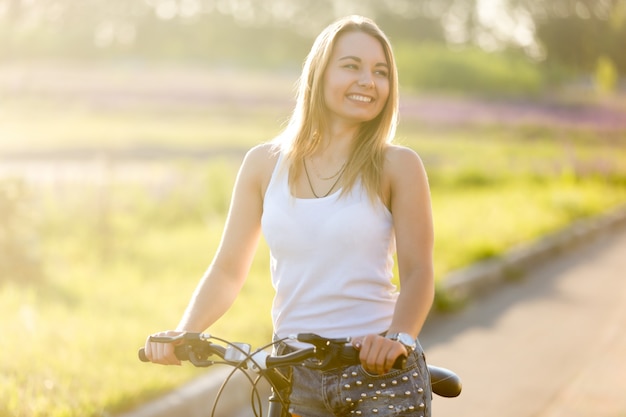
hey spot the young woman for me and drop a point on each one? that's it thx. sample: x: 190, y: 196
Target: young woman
x: 335, y: 199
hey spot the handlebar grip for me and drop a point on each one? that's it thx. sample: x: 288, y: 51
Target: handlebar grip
x: 180, y: 352
x: 142, y: 355
x: 400, y: 362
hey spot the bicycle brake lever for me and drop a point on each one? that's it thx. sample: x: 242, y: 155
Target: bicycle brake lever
x: 189, y: 336
x: 166, y: 339
x: 321, y: 342
x: 195, y: 360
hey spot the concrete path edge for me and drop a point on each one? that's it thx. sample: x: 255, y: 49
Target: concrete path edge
x: 482, y: 276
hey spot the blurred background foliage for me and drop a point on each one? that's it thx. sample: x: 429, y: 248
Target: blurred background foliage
x: 557, y: 38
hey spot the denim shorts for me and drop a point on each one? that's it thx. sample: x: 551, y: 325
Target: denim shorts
x: 351, y: 391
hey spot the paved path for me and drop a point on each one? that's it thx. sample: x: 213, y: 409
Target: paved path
x: 551, y: 345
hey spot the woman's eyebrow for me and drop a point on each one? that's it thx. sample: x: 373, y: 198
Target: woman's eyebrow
x: 357, y: 59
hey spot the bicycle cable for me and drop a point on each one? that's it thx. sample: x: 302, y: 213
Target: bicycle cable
x: 256, y: 402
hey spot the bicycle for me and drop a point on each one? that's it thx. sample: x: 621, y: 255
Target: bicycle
x: 324, y: 353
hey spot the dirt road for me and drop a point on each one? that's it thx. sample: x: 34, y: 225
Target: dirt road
x: 551, y: 345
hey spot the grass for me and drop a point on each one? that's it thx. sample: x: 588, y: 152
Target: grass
x: 477, y: 224
x: 122, y: 255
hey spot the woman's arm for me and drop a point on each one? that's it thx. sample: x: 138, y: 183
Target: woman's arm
x: 405, y: 186
x: 226, y: 274
x: 410, y: 205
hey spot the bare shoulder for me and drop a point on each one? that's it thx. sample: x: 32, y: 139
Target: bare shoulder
x: 400, y: 161
x: 265, y: 153
x: 260, y: 159
x: 403, y: 174
x: 258, y: 165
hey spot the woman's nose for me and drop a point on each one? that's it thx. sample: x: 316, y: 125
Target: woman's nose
x: 366, y: 80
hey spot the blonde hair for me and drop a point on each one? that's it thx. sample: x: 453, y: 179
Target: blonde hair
x: 301, y: 136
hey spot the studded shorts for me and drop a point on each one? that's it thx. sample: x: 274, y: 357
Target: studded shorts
x: 351, y: 391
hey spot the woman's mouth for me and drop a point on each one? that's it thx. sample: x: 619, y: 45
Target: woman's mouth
x: 360, y: 98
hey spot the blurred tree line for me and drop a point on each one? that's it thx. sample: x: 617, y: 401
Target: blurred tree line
x: 578, y: 35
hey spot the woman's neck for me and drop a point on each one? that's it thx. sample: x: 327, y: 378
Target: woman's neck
x: 336, y: 142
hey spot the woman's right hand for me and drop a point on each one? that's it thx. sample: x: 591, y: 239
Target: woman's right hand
x: 162, y: 353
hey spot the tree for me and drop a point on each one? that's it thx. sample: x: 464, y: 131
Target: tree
x: 571, y: 33
x: 577, y: 33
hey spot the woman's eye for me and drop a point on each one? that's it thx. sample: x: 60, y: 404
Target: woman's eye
x: 381, y: 73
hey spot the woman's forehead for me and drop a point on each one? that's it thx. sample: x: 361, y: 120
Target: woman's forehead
x: 359, y: 45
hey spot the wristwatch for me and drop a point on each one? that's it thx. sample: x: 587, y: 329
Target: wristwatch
x: 406, y: 339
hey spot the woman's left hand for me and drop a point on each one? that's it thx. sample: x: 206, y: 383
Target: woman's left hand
x: 377, y: 353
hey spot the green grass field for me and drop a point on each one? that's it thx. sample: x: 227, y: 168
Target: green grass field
x: 120, y: 258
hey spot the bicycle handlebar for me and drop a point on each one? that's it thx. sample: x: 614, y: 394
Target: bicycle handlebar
x: 325, y: 353
x: 196, y: 348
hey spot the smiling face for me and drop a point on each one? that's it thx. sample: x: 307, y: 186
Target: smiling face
x: 356, y: 79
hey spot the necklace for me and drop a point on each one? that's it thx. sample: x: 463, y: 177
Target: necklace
x: 318, y: 175
x: 339, y: 174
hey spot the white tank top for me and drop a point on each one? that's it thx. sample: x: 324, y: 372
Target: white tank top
x: 331, y: 261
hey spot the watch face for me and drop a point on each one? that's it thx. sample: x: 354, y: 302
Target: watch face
x: 406, y: 340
